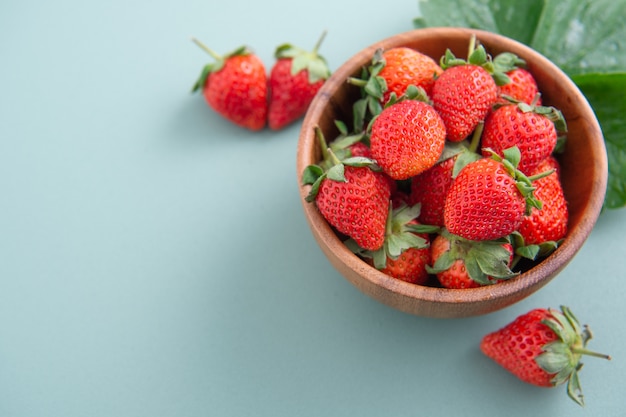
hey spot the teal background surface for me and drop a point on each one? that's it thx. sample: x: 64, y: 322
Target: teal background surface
x: 155, y: 260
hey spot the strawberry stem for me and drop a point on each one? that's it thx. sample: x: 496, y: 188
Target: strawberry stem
x: 535, y: 177
x: 207, y: 49
x: 535, y: 99
x: 322, y: 142
x: 356, y: 81
x: 583, y: 351
x: 472, y: 46
x: 332, y: 157
x: 476, y: 136
x: 319, y: 43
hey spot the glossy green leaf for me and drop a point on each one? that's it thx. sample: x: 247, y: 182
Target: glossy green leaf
x: 583, y: 36
x: 513, y: 18
x: 605, y: 93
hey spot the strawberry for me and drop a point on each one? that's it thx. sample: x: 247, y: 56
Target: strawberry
x: 542, y: 347
x: 294, y: 80
x: 405, y: 66
x: 407, y: 138
x: 406, y: 252
x: 518, y: 83
x: 489, y: 198
x: 461, y: 263
x: 235, y: 86
x: 430, y: 189
x: 548, y: 224
x: 464, y: 92
x: 353, y: 196
x: 399, y: 197
x: 523, y: 87
x: 393, y: 73
x: 533, y: 129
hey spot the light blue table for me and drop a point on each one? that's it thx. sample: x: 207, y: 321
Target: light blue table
x: 154, y: 259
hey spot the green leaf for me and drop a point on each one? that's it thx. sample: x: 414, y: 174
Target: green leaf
x: 574, y: 391
x: 359, y: 113
x: 315, y: 188
x: 358, y: 161
x: 529, y: 252
x: 336, y: 173
x: 394, y: 246
x: 443, y: 263
x: 375, y: 87
x: 585, y: 38
x: 475, y: 272
x: 555, y: 358
x: 311, y: 174
x: 380, y: 259
x: 512, y: 18
x: 464, y: 158
x: 605, y: 93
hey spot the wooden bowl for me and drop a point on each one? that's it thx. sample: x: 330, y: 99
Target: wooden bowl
x: 584, y: 177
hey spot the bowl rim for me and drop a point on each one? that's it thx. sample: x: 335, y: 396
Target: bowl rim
x: 511, y: 290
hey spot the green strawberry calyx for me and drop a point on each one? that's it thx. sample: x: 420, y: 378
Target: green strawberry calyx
x: 373, y: 85
x: 220, y: 60
x: 464, y: 151
x: 533, y: 251
x: 477, y: 55
x: 550, y: 112
x: 486, y: 262
x: 510, y: 160
x: 373, y: 88
x: 339, y: 148
x: 562, y: 357
x: 508, y: 61
x: 401, y: 234
x: 331, y: 166
x: 302, y: 60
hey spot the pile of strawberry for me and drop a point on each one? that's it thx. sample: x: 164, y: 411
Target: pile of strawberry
x: 448, y: 174
x: 449, y: 178
x: 239, y: 89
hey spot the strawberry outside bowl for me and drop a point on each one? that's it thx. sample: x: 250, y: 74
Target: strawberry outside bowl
x: 584, y: 171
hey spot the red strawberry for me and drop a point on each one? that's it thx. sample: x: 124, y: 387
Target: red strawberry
x: 410, y: 265
x: 405, y: 66
x: 550, y: 222
x: 523, y: 87
x: 464, y: 93
x: 489, y: 198
x: 399, y: 197
x: 235, y: 86
x: 360, y: 149
x: 461, y: 263
x: 294, y: 80
x: 393, y: 74
x: 430, y: 189
x: 517, y: 83
x: 353, y: 198
x: 405, y: 253
x: 542, y: 347
x: 407, y: 138
x: 532, y: 129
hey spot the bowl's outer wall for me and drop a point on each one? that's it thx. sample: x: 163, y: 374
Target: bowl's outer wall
x: 583, y: 165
